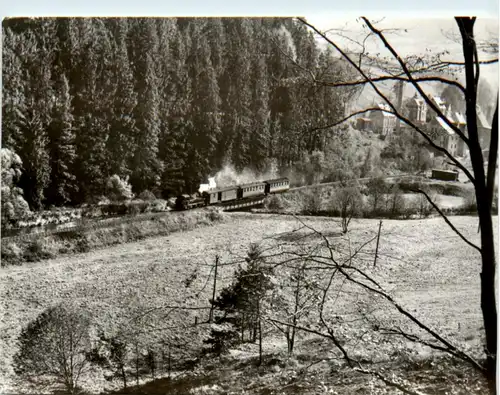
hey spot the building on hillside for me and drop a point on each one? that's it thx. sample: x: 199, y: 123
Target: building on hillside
x: 364, y: 123
x: 417, y: 110
x: 458, y: 120
x: 439, y: 103
x: 383, y: 121
x: 444, y: 136
x: 483, y: 128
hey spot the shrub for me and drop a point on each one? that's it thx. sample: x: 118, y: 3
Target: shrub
x: 395, y: 202
x: 147, y: 195
x: 470, y: 204
x: 215, y: 215
x: 158, y: 206
x: 36, y: 251
x: 222, y: 339
x: 424, y: 208
x: 409, y: 208
x: 376, y: 190
x: 14, y: 207
x: 118, y: 189
x: 11, y: 252
x: 453, y: 190
x: 274, y: 203
x: 137, y: 207
x: 347, y: 202
x: 312, y: 203
x: 54, y: 347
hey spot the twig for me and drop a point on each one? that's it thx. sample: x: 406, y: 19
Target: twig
x: 447, y: 220
x: 393, y: 108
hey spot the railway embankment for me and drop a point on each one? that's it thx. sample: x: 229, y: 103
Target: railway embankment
x: 101, y: 234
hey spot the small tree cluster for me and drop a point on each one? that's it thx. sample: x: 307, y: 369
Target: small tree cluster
x: 14, y: 207
x: 240, y: 306
x: 312, y: 203
x: 118, y: 189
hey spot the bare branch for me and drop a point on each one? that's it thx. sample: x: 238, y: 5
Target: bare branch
x: 389, y: 382
x: 391, y: 105
x: 489, y: 61
x: 447, y: 220
x: 415, y: 83
x: 394, y: 78
x: 416, y: 339
x: 412, y: 318
x: 350, y: 360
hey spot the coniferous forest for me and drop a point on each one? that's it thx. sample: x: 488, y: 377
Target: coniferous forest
x: 163, y: 102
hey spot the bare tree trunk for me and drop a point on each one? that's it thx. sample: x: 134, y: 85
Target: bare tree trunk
x: 169, y: 362
x: 242, y: 329
x: 488, y: 304
x: 260, y: 331
x: 137, y: 363
x: 124, y: 376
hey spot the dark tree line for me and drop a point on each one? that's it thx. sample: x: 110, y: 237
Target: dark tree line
x: 164, y: 102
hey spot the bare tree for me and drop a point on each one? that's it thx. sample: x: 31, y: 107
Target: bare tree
x: 54, y: 347
x: 416, y: 71
x: 352, y: 292
x: 295, y: 300
x: 347, y: 201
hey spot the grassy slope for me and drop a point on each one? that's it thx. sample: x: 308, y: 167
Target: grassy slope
x: 426, y: 265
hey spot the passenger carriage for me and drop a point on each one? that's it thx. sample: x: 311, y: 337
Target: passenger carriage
x: 277, y: 185
x: 253, y: 189
x: 222, y: 195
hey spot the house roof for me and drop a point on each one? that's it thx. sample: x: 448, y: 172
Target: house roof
x: 445, y: 126
x: 459, y: 118
x: 438, y: 100
x: 483, y: 122
x: 386, y: 110
x: 417, y: 100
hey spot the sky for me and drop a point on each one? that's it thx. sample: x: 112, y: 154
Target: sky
x: 411, y: 36
x: 244, y: 7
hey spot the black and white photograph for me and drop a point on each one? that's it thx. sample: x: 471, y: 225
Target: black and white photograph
x: 249, y: 205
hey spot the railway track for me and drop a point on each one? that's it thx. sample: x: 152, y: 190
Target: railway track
x: 360, y: 180
x: 117, y: 220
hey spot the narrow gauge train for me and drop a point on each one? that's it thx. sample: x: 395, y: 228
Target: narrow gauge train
x: 233, y: 193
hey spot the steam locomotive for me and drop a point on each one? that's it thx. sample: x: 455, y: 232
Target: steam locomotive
x: 234, y: 193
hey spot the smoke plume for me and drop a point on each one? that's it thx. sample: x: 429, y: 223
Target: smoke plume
x: 229, y: 176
